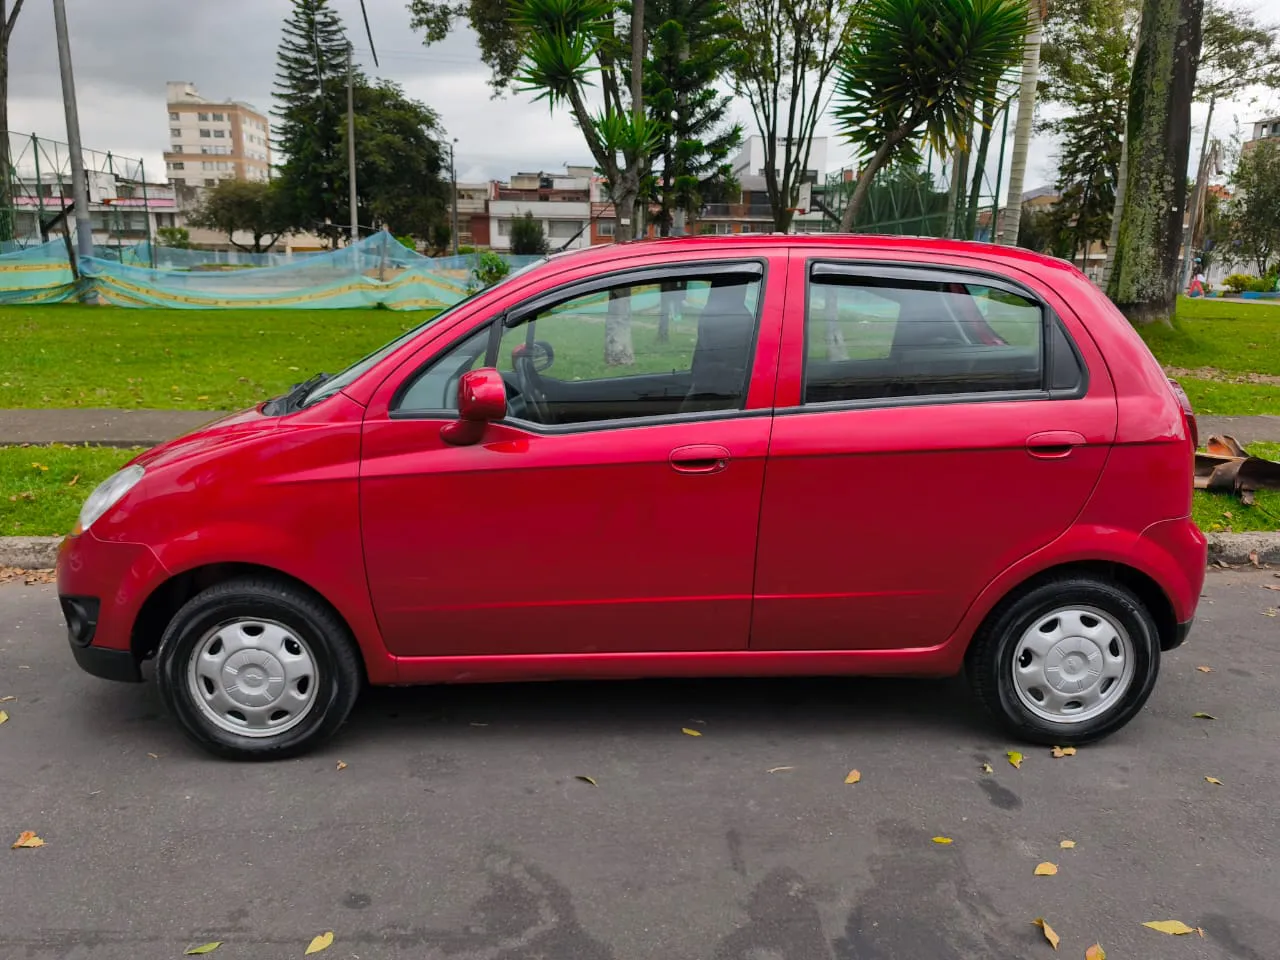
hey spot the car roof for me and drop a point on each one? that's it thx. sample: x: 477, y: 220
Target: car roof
x: 853, y: 242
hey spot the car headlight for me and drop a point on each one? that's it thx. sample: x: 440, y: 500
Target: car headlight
x: 107, y: 495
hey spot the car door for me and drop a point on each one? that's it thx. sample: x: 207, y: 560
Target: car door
x: 934, y: 425
x: 615, y: 508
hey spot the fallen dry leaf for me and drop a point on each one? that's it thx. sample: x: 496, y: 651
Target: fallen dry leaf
x: 1253, y: 558
x: 1015, y: 758
x: 8, y: 698
x: 26, y: 839
x: 987, y: 768
x: 154, y: 756
x: 41, y: 467
x: 1046, y: 869
x: 1067, y: 844
x: 1205, y: 669
x: 1049, y: 935
x: 203, y: 948
x: 322, y: 942
x: 778, y: 769
x: 853, y: 777
x: 692, y: 733
x: 1095, y: 953
x: 1214, y: 780
x: 71, y: 483
x: 4, y: 717
x: 1270, y: 586
x: 1060, y: 752
x: 942, y: 840
x: 342, y: 765
x: 1227, y: 514
x: 1201, y: 715
x: 585, y: 779
x: 1269, y: 612
x: 1174, y: 927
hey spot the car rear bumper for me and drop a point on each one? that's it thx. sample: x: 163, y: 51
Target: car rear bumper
x: 1182, y: 553
x: 102, y: 586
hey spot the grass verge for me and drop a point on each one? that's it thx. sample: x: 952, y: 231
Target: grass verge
x: 42, y: 488
x: 82, y: 356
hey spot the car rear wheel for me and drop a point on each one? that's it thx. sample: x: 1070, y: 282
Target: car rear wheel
x: 1066, y: 662
x: 254, y: 669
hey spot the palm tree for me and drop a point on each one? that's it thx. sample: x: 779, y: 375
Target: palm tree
x: 920, y: 67
x: 1008, y: 233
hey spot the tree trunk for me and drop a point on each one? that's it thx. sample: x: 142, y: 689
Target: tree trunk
x: 1197, y: 199
x: 979, y: 167
x: 1144, y: 281
x: 957, y: 195
x: 1022, y: 132
x: 836, y: 350
x: 873, y: 166
x: 1122, y: 177
x: 6, y: 174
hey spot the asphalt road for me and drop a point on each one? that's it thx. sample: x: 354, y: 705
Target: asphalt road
x: 458, y: 829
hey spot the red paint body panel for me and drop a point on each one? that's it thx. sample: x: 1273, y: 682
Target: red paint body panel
x: 783, y: 540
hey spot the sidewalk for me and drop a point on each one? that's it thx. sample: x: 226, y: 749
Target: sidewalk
x: 146, y: 428
x: 107, y: 428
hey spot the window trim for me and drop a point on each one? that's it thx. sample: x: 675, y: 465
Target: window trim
x: 880, y: 270
x: 757, y: 267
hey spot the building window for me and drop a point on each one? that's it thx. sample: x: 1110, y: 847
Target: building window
x: 172, y: 115
x: 209, y: 182
x: 605, y: 228
x: 218, y: 118
x: 207, y: 165
x: 178, y: 165
x: 504, y: 228
x: 175, y: 132
x: 203, y: 117
x: 204, y: 132
x: 564, y: 229
x: 177, y: 148
x: 219, y: 134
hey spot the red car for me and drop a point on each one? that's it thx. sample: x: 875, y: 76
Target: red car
x: 694, y: 457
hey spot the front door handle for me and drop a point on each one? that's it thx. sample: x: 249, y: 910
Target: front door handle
x: 699, y: 458
x: 1054, y: 444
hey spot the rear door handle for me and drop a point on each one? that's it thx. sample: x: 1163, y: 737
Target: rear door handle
x: 1054, y: 444
x: 699, y: 458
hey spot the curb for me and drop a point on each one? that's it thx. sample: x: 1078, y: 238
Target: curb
x: 40, y: 553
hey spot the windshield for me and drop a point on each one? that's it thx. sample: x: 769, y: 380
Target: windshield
x: 339, y: 381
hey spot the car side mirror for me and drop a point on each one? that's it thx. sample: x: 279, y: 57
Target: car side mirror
x: 482, y: 399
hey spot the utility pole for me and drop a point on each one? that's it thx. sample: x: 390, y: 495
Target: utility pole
x: 453, y: 179
x: 637, y: 102
x: 351, y: 147
x: 79, y: 182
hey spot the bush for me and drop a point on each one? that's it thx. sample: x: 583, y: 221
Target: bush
x: 1238, y: 282
x: 527, y: 237
x: 409, y: 242
x: 465, y: 249
x: 178, y: 237
x: 490, y: 269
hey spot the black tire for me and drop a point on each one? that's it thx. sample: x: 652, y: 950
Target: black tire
x: 989, y: 662
x: 338, y: 669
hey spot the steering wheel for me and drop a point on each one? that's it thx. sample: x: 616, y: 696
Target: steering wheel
x: 524, y: 360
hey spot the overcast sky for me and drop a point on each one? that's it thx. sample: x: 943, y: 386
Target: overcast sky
x: 125, y: 50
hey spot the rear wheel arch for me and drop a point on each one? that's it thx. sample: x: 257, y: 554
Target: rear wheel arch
x: 1141, y: 584
x: 171, y: 595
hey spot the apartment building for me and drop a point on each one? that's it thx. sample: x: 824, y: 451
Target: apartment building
x: 1268, y: 129
x: 211, y: 141
x: 562, y: 202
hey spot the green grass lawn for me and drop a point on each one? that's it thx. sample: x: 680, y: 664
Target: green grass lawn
x: 82, y: 356
x: 42, y: 488
x: 1233, y: 347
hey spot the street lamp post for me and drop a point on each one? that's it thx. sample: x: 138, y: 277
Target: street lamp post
x: 453, y: 180
x: 79, y: 180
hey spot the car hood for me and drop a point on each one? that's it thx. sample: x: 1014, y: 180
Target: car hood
x: 231, y: 430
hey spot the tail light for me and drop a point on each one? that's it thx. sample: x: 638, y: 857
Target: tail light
x: 1187, y: 413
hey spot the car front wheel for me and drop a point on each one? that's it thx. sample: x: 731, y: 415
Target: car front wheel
x: 254, y: 669
x: 1068, y: 661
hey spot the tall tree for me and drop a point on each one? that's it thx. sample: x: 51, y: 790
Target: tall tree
x: 1255, y: 223
x: 920, y: 67
x: 400, y: 168
x: 1007, y: 229
x: 1085, y: 67
x: 791, y: 49
x: 239, y: 207
x: 7, y: 20
x: 497, y: 32
x: 1144, y: 277
x: 310, y: 93
x: 690, y: 41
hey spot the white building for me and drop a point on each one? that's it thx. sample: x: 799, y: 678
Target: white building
x: 562, y: 221
x: 750, y: 159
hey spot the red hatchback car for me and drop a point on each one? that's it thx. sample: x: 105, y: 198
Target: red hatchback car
x: 694, y: 457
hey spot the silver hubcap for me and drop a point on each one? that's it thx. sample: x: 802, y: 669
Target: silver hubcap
x: 255, y: 678
x: 1072, y: 665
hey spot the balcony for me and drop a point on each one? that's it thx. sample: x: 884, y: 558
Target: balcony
x: 736, y: 211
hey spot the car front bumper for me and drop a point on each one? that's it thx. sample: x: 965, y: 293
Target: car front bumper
x: 102, y: 585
